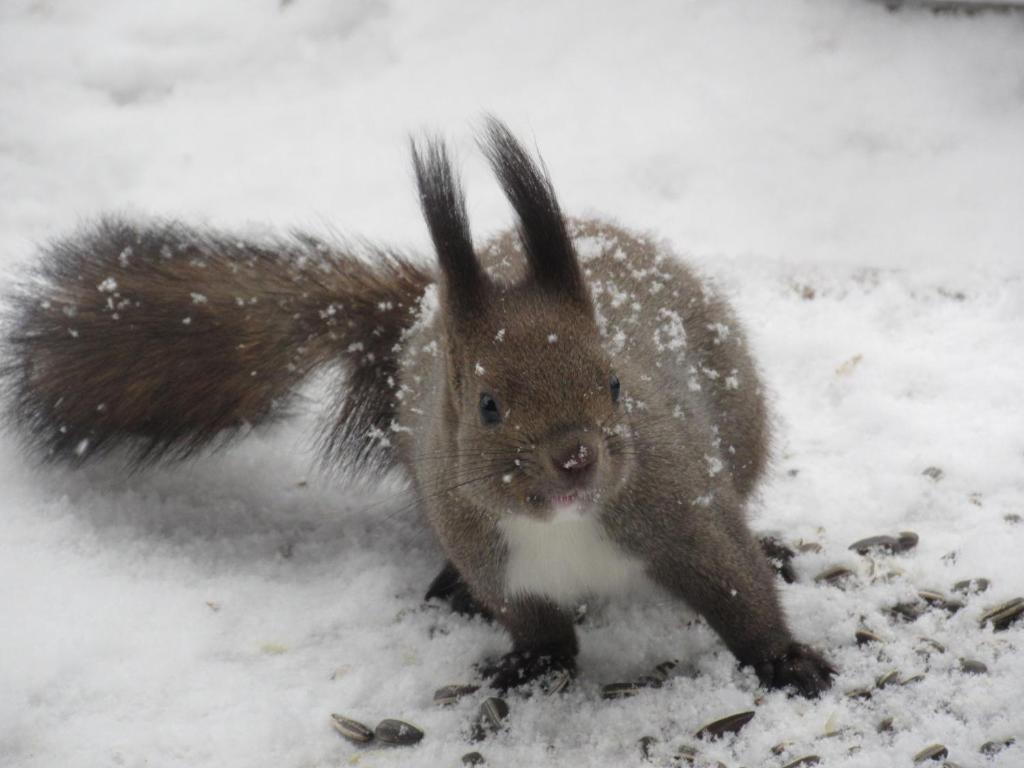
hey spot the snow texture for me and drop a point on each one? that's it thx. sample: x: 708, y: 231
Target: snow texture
x: 852, y: 178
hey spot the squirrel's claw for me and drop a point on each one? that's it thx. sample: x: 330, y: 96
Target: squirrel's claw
x: 799, y: 667
x: 529, y: 668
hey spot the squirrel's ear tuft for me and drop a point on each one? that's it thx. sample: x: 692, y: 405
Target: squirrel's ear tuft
x: 444, y: 208
x: 542, y: 229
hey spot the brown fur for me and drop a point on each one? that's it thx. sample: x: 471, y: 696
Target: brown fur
x: 569, y: 359
x: 162, y: 339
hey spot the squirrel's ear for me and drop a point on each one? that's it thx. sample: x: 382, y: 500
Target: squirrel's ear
x: 542, y: 229
x: 444, y: 208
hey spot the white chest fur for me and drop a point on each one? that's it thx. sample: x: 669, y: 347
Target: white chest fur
x: 566, y: 560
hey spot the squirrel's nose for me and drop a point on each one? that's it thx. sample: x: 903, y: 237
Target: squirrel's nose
x: 575, y: 458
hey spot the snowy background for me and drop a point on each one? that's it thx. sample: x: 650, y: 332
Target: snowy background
x: 853, y: 178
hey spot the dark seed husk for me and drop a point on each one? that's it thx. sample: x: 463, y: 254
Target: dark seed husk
x: 935, y: 473
x: 689, y: 756
x: 834, y: 575
x: 1013, y: 518
x: 620, y: 690
x: 558, y: 682
x: 990, y: 748
x: 907, y: 540
x: 933, y: 752
x: 649, y: 681
x: 882, y: 543
x: 646, y: 744
x: 1003, y: 615
x: 730, y: 724
x: 779, y: 748
x: 397, y: 733
x: 885, y: 725
x: 450, y: 694
x: 859, y: 693
x: 907, y: 611
x: 806, y: 760
x: 865, y: 636
x: 933, y: 645
x: 888, y: 678
x: 939, y: 600
x: 971, y: 586
x: 351, y: 729
x: 473, y: 758
x: 493, y: 713
x: 973, y: 667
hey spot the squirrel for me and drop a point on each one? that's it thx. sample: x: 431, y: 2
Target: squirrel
x: 574, y: 409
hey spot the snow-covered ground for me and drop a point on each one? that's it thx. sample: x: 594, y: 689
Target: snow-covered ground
x: 853, y: 177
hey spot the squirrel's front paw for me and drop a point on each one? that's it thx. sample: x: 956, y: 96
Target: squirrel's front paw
x: 798, y: 666
x: 450, y: 587
x: 551, y: 670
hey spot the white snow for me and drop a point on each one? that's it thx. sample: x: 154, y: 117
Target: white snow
x: 852, y: 178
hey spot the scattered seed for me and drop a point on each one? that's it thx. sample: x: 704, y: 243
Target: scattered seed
x: 973, y: 667
x: 649, y: 681
x: 939, y: 600
x: 933, y: 645
x: 971, y: 586
x: 397, y: 733
x: 907, y: 611
x: 1013, y: 518
x: 834, y: 575
x: 882, y: 543
x: 620, y: 690
x: 859, y: 693
x: 351, y: 729
x: 808, y: 546
x: 493, y: 713
x: 646, y: 744
x: 450, y: 694
x: 730, y: 724
x: 1004, y: 614
x: 913, y: 679
x: 990, y: 748
x: 885, y: 726
x: 865, y: 636
x: 781, y: 747
x: 473, y: 758
x: 907, y: 540
x: 559, y: 682
x: 888, y: 678
x: 690, y: 756
x: 934, y: 752
x: 934, y: 473
x: 806, y: 760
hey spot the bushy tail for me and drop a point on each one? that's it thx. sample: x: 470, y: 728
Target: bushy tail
x: 163, y: 339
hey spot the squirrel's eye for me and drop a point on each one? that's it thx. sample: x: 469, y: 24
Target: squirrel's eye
x: 614, y: 386
x: 489, y: 413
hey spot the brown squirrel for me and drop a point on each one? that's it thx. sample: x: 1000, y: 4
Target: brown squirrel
x: 574, y: 409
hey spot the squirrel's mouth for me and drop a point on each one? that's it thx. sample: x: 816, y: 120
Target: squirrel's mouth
x: 571, y: 499
x: 563, y: 499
